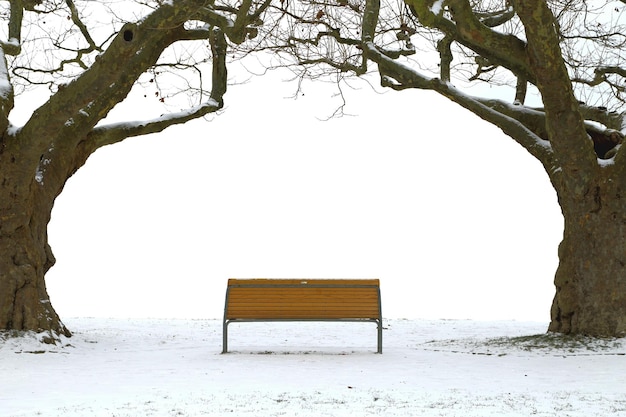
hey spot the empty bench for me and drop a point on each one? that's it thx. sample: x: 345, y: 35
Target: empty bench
x: 257, y: 300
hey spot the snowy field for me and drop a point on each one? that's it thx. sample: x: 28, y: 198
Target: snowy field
x: 150, y: 367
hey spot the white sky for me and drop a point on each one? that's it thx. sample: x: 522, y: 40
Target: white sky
x: 455, y: 218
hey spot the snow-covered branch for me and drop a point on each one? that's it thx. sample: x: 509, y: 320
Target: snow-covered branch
x: 116, y: 132
x: 6, y: 93
x: 113, y: 133
x: 13, y: 45
x: 405, y: 77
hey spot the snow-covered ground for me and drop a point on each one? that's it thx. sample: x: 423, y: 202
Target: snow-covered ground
x: 150, y: 367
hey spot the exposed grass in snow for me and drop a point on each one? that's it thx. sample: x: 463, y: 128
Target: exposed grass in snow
x: 556, y: 344
x: 151, y: 367
x: 545, y: 344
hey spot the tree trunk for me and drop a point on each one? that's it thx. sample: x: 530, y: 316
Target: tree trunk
x: 25, y: 255
x: 591, y: 278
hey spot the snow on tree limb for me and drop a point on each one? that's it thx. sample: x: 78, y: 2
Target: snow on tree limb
x: 64, y: 128
x: 491, y: 111
x: 116, y: 132
x: 109, y: 134
x: 6, y: 93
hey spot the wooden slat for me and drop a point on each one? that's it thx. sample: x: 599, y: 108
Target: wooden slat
x: 364, y: 312
x: 309, y: 281
x: 302, y: 299
x: 310, y: 315
x: 278, y: 295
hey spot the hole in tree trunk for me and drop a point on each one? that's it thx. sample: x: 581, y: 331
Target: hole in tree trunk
x: 128, y: 35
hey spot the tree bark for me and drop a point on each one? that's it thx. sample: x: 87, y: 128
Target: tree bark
x: 591, y: 278
x: 25, y: 256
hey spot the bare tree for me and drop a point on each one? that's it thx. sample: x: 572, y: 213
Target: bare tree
x: 91, y: 55
x: 563, y: 61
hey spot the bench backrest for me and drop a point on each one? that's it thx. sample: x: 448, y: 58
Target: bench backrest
x: 302, y: 299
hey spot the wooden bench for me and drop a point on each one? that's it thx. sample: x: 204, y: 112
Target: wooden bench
x: 256, y: 300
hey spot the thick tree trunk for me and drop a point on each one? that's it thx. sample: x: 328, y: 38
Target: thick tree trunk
x: 591, y: 278
x: 24, y: 301
x: 25, y: 255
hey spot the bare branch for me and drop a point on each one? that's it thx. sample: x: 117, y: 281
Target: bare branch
x: 83, y: 29
x: 446, y: 57
x: 13, y: 45
x: 601, y: 76
x: 114, y: 133
x: 220, y: 73
x: 520, y: 90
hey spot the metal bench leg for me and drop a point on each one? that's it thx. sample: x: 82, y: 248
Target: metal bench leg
x: 225, y: 337
x: 380, y: 336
